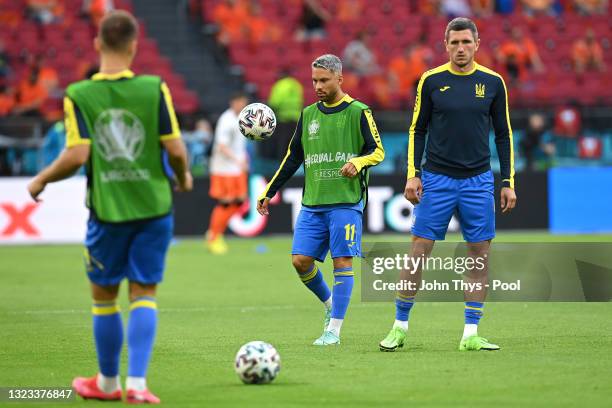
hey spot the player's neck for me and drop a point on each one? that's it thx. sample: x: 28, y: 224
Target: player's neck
x: 466, y: 68
x: 336, y: 99
x: 113, y: 63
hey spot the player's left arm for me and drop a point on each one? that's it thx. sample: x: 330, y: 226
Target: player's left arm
x: 170, y: 139
x: 74, y: 155
x: 292, y: 161
x: 373, y: 151
x: 500, y: 114
x: 168, y: 123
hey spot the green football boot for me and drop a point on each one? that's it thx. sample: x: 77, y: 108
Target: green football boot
x: 395, y: 339
x: 327, y: 339
x: 476, y: 343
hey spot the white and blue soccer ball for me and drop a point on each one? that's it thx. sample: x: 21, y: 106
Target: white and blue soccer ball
x: 257, y: 362
x: 257, y: 121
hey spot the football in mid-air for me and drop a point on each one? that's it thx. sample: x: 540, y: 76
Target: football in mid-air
x: 257, y: 362
x: 257, y: 121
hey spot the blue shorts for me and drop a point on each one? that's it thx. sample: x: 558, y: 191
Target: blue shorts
x: 337, y: 230
x: 472, y: 198
x: 133, y: 250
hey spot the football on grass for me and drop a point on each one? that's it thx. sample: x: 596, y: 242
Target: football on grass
x: 257, y: 362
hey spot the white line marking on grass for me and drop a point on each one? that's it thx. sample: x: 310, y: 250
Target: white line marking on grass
x: 242, y: 309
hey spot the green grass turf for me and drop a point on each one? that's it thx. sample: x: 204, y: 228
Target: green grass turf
x: 554, y: 354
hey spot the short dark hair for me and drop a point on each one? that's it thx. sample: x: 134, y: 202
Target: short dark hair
x: 117, y: 30
x: 460, y: 24
x: 238, y: 95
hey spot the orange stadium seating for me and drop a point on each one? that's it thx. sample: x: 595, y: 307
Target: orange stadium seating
x: 393, y: 25
x: 68, y: 47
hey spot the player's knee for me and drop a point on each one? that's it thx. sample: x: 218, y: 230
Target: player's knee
x: 479, y: 249
x: 421, y: 246
x: 301, y: 263
x: 104, y: 293
x: 137, y: 290
x: 343, y: 262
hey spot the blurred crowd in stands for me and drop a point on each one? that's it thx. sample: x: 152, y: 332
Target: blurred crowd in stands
x: 46, y: 44
x: 548, y: 50
x: 29, y: 84
x: 554, y: 55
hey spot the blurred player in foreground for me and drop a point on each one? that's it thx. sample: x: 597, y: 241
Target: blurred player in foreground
x: 454, y: 106
x: 229, y: 166
x: 337, y: 141
x: 120, y: 126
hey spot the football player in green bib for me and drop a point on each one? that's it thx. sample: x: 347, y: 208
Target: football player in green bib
x: 336, y: 141
x: 123, y: 128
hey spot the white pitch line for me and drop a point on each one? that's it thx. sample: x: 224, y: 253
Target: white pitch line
x: 242, y: 309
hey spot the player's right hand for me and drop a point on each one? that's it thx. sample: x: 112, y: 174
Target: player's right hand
x: 35, y: 188
x: 413, y: 190
x: 262, y: 206
x: 185, y: 183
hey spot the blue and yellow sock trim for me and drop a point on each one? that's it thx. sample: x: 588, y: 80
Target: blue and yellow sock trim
x: 143, y: 301
x: 473, y: 312
x: 347, y: 271
x: 403, y: 305
x: 310, y: 275
x: 105, y: 307
x: 403, y: 298
x: 476, y: 306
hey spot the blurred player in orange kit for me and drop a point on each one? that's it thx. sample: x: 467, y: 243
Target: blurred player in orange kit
x: 228, y: 173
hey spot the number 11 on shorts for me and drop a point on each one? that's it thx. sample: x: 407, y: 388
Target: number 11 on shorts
x: 350, y: 232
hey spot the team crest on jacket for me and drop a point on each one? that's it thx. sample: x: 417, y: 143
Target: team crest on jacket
x: 119, y: 134
x: 480, y: 90
x: 313, y: 129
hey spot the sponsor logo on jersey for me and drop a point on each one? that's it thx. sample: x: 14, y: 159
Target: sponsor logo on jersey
x: 313, y: 130
x: 119, y: 135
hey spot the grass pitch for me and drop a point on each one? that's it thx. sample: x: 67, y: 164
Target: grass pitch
x: 553, y: 354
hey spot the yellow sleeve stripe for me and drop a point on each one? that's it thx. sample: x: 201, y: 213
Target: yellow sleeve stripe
x: 73, y: 136
x: 491, y: 72
x: 378, y: 154
x: 143, y: 303
x: 415, y: 116
x: 510, y: 135
x: 105, y: 310
x: 264, y: 194
x: 170, y: 136
x: 176, y: 132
